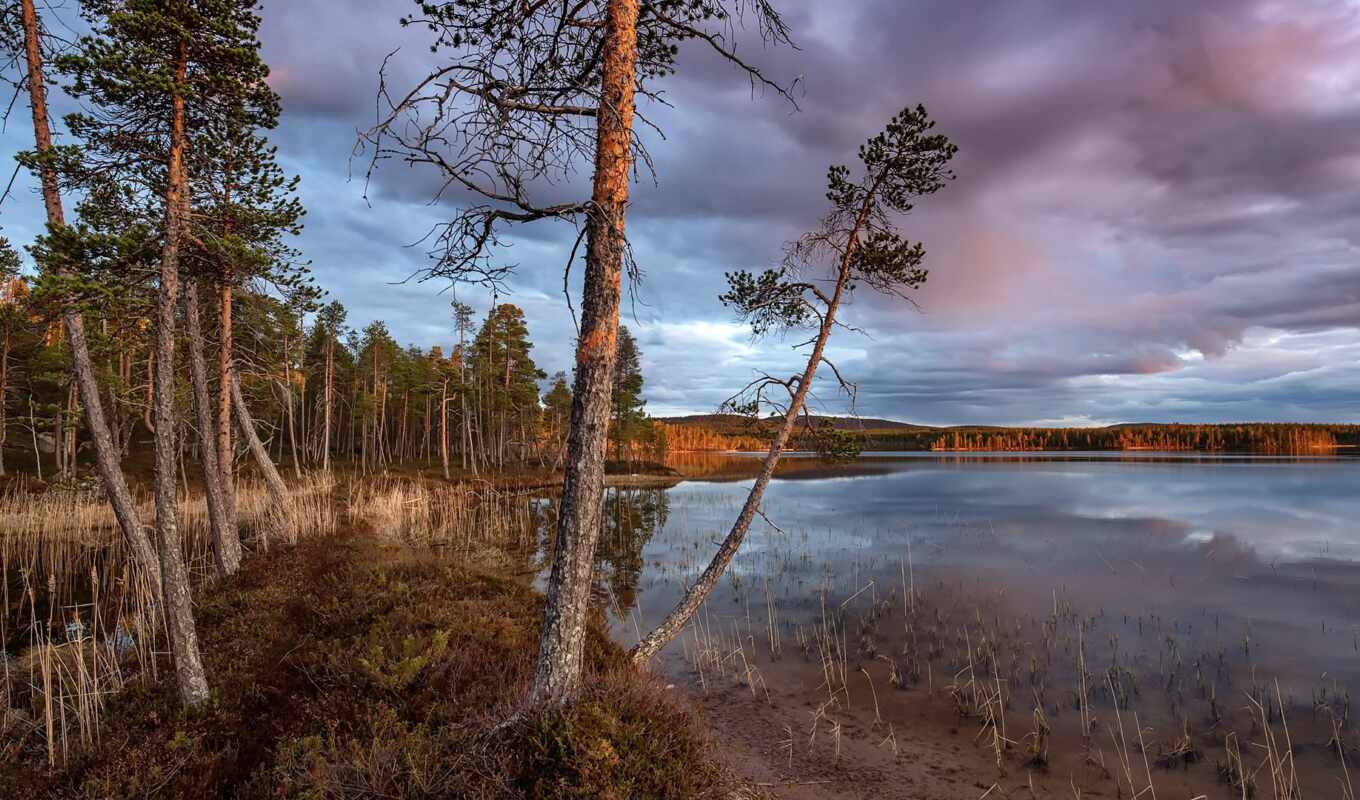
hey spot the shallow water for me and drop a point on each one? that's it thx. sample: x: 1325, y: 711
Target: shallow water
x: 1202, y: 577
x: 1275, y: 542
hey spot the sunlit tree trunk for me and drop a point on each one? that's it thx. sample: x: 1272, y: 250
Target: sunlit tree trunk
x: 558, y: 670
x: 193, y: 683
x: 326, y: 403
x: 226, y: 453
x: 106, y: 457
x: 444, y: 427
x: 225, y: 539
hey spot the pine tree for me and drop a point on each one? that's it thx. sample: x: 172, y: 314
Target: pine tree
x: 329, y: 322
x: 159, y: 80
x: 246, y: 208
x: 12, y: 289
x: 557, y: 412
x: 44, y: 161
x: 508, y: 379
x: 527, y: 94
x: 858, y: 244
x: 626, y: 400
x: 462, y: 323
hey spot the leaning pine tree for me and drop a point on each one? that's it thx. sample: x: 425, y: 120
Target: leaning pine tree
x: 27, y: 29
x: 858, y: 243
x: 525, y: 95
x: 155, y: 78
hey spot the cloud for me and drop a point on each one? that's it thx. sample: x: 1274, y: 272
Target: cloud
x: 1154, y: 216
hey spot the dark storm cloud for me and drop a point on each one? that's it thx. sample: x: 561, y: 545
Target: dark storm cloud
x: 1154, y: 216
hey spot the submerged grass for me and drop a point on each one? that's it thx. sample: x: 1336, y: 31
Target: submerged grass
x: 348, y: 666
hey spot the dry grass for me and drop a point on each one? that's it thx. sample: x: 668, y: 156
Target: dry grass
x: 83, y: 616
x: 463, y: 517
x: 86, y: 624
x: 350, y: 667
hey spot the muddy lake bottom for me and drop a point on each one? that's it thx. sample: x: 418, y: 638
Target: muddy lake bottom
x: 1087, y: 625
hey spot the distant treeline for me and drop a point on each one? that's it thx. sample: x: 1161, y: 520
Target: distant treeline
x: 1270, y: 439
x: 690, y: 437
x: 713, y: 433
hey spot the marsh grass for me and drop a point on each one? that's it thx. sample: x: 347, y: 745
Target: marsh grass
x: 460, y: 517
x: 80, y: 619
x: 372, y: 652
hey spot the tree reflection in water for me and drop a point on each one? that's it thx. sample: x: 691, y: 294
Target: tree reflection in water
x: 632, y: 517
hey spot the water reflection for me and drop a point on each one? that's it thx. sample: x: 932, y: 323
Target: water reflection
x: 1202, y: 596
x: 631, y: 518
x: 1262, y: 544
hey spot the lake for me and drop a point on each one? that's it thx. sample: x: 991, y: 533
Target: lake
x: 1214, y: 595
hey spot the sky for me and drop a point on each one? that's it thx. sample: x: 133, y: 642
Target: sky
x: 1155, y: 217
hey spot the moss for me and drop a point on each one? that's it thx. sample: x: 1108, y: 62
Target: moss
x: 344, y: 668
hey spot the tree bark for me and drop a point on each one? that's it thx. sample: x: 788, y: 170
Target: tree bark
x: 326, y: 405
x: 288, y: 398
x: 675, y: 621
x: 558, y: 672
x: 443, y: 427
x: 226, y: 452
x: 106, y: 457
x: 277, y: 488
x: 4, y: 400
x: 175, y: 590
x: 226, y: 540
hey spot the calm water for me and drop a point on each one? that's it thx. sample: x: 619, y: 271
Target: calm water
x: 1254, y: 555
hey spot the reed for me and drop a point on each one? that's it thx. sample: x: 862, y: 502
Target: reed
x: 461, y: 517
x: 82, y: 617
x: 1277, y: 747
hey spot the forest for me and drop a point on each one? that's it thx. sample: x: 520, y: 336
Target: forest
x: 318, y: 392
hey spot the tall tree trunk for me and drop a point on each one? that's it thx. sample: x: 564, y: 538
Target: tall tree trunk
x: 106, y: 458
x: 33, y: 429
x: 443, y: 427
x: 466, y: 421
x: 380, y: 408
x: 326, y: 406
x: 226, y: 541
x: 558, y: 671
x: 149, y: 401
x: 277, y: 488
x: 193, y: 683
x: 401, y: 429
x: 288, y: 398
x: 226, y: 451
x: 304, y: 424
x: 58, y: 442
x: 72, y: 429
x: 292, y: 433
x: 4, y: 398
